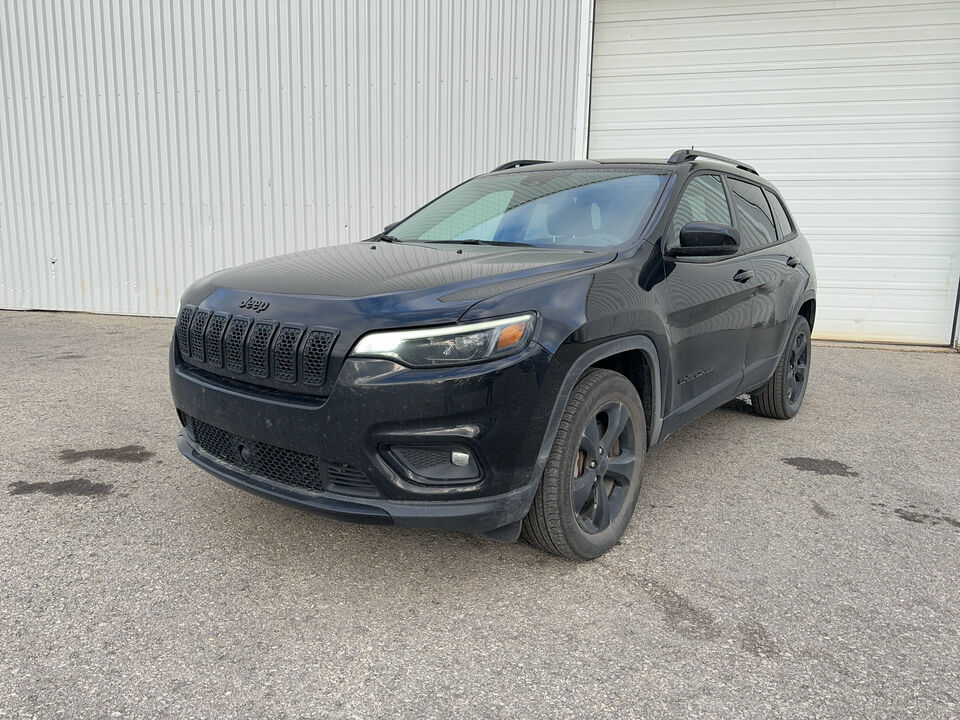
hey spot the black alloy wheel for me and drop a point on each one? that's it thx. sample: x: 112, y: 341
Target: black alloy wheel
x: 591, y: 481
x: 782, y: 395
x: 797, y: 367
x: 604, y: 465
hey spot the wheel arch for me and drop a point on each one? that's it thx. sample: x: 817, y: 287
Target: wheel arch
x: 614, y: 355
x: 808, y: 308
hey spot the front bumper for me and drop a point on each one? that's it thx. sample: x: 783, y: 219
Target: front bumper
x: 498, y: 411
x: 477, y: 515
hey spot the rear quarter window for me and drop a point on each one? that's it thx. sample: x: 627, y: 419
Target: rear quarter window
x: 753, y: 211
x: 784, y: 226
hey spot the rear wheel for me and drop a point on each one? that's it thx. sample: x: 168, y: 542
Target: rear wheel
x: 591, y: 480
x: 782, y: 395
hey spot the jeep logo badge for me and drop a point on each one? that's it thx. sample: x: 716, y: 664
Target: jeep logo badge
x: 251, y: 303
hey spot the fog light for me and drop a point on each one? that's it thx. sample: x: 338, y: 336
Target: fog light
x: 434, y: 465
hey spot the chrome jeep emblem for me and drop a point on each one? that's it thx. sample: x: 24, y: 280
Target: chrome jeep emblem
x: 251, y: 303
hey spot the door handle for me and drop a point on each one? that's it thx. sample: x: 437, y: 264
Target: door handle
x: 793, y: 261
x: 743, y: 275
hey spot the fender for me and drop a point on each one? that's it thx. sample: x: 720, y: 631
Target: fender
x: 807, y: 294
x: 745, y: 386
x: 577, y: 368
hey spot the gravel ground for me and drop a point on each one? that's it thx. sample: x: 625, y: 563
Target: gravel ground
x: 774, y: 569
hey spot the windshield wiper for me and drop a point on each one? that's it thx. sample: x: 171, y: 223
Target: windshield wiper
x: 478, y: 241
x: 383, y: 237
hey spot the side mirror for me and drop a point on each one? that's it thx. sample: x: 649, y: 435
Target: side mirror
x: 391, y: 226
x: 706, y: 239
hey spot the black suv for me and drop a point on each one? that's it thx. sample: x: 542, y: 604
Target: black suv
x: 500, y: 361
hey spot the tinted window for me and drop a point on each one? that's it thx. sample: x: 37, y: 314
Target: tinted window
x: 703, y: 200
x: 753, y: 212
x: 584, y: 208
x: 784, y: 227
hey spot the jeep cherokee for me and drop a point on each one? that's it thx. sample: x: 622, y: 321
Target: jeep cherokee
x: 500, y: 361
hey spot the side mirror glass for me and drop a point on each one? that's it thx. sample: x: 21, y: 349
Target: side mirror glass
x: 707, y: 239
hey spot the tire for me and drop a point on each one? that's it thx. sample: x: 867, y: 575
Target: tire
x: 783, y: 394
x: 554, y: 525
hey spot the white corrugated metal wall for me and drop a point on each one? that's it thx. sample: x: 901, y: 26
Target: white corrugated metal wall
x: 144, y: 144
x: 852, y: 107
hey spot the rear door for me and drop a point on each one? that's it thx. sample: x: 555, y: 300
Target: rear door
x: 711, y: 309
x: 765, y: 235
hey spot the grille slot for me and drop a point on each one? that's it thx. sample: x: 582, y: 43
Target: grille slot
x: 348, y: 480
x: 280, y: 465
x: 285, y: 354
x: 236, y: 334
x: 214, y: 339
x: 257, y: 345
x: 183, y: 330
x: 197, y: 328
x: 316, y: 350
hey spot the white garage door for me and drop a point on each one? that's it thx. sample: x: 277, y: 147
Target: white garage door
x: 851, y: 108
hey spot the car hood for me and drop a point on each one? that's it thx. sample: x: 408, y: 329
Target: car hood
x: 389, y: 278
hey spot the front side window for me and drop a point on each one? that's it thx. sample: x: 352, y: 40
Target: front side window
x: 578, y: 208
x: 703, y: 200
x: 753, y: 212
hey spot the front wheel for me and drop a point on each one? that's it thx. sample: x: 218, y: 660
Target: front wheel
x: 783, y: 393
x: 591, y: 480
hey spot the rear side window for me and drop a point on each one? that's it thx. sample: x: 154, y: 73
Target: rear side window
x: 703, y: 200
x: 753, y: 211
x: 784, y: 226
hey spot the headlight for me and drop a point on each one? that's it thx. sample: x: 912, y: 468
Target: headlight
x: 450, y: 345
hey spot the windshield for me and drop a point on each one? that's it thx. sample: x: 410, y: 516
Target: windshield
x: 582, y: 208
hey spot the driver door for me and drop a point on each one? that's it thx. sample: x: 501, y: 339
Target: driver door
x: 710, y: 309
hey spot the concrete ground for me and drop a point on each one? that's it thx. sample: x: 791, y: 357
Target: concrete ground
x: 808, y: 568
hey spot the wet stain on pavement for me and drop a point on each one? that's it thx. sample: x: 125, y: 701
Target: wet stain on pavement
x: 680, y: 613
x: 125, y: 454
x: 74, y: 486
x: 821, y: 466
x: 756, y: 640
x: 921, y: 518
x: 822, y: 511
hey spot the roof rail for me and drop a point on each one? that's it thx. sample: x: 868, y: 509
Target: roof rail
x: 683, y: 155
x: 517, y: 163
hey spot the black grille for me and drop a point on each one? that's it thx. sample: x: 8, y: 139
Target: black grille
x: 214, y: 340
x: 419, y: 458
x: 349, y: 481
x: 183, y: 330
x: 257, y: 345
x: 236, y: 335
x: 280, y: 465
x: 285, y: 354
x: 316, y: 350
x: 197, y: 328
x: 263, y: 352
